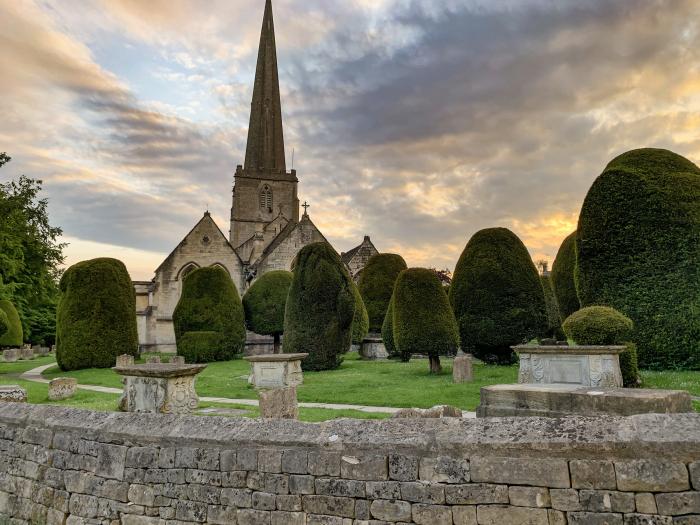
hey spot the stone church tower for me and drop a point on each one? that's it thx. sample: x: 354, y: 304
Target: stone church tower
x: 264, y: 191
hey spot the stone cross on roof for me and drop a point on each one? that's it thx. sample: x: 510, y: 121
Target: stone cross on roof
x: 306, y: 207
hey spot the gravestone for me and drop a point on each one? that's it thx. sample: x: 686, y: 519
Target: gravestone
x: 279, y: 403
x: 13, y: 394
x: 177, y: 360
x: 42, y: 351
x: 125, y: 360
x: 276, y: 370
x: 462, y: 369
x: 373, y: 348
x: 62, y: 388
x: 11, y: 355
x: 159, y: 388
x: 26, y: 353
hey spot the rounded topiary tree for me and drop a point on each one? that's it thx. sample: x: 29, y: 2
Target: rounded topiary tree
x: 550, y: 300
x: 423, y: 319
x: 497, y: 296
x: 377, y: 284
x: 360, y: 322
x: 563, y: 277
x: 320, y: 308
x: 96, y: 315
x: 13, y: 336
x: 388, y: 330
x: 264, y: 305
x: 638, y: 250
x: 4, y: 323
x: 602, y: 325
x: 209, y: 303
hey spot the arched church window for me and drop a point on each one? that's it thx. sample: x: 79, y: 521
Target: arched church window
x: 266, y: 199
x: 187, y: 269
x: 219, y: 265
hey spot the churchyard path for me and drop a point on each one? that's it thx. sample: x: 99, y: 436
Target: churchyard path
x: 34, y: 375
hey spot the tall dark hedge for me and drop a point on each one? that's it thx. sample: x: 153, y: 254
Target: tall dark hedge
x: 360, y: 322
x: 210, y: 303
x: 638, y: 250
x: 264, y: 304
x: 550, y: 301
x: 423, y: 319
x: 377, y: 284
x: 13, y: 336
x: 497, y: 296
x: 320, y: 308
x: 388, y: 331
x: 96, y: 315
x: 563, y: 277
x: 4, y: 323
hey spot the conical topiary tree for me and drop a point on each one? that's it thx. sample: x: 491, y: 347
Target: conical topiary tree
x: 563, y: 277
x: 360, y: 322
x: 320, y: 308
x: 209, y: 306
x: 388, y: 330
x: 96, y: 315
x: 550, y: 300
x: 423, y: 320
x: 377, y: 284
x: 497, y: 296
x: 638, y: 251
x: 264, y: 305
x: 13, y: 336
x: 4, y: 323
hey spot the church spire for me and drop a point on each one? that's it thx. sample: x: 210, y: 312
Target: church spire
x: 265, y: 149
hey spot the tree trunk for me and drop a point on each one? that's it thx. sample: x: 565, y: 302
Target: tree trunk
x: 277, y: 348
x: 435, y: 366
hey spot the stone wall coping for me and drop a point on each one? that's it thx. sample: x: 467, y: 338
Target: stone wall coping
x: 675, y: 437
x: 574, y: 350
x: 159, y: 370
x: 275, y: 358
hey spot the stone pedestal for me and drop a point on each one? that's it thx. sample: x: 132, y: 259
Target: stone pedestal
x: 11, y: 355
x: 597, y: 366
x: 530, y: 400
x: 26, y: 353
x: 373, y: 349
x: 13, y: 394
x: 62, y: 388
x: 462, y: 369
x: 125, y: 360
x: 279, y: 403
x: 276, y: 370
x: 159, y: 388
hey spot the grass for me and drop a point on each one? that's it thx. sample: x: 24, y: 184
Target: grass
x: 356, y: 382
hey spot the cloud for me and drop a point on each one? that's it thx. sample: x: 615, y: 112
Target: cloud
x: 417, y: 122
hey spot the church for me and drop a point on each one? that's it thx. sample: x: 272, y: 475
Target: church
x: 266, y: 230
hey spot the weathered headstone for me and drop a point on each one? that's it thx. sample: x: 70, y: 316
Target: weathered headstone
x: 373, y: 348
x: 62, y: 388
x: 177, y: 360
x: 462, y: 369
x: 125, y: 360
x: 279, y: 403
x: 13, y: 394
x: 11, y: 355
x: 153, y: 360
x: 159, y: 388
x: 439, y: 411
x: 53, y: 348
x: 26, y: 353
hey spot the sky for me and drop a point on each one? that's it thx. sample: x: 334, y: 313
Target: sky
x: 417, y: 122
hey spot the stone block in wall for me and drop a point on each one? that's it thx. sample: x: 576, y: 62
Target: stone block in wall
x: 556, y: 517
x: 289, y: 502
x: 444, y: 469
x: 476, y: 493
x: 111, y: 460
x: 647, y: 519
x: 242, y: 498
x: 594, y: 518
x: 390, y: 510
x: 301, y: 484
x: 403, y: 468
x: 501, y: 514
x: 417, y: 492
x: 592, y: 474
x: 520, y: 471
x: 329, y: 505
x: 295, y: 461
x: 431, y: 514
x: 264, y: 501
x: 276, y: 483
x: 324, y: 464
x: 464, y: 515
x: 648, y: 475
x: 383, y: 490
x: 221, y: 515
x: 645, y: 503
x: 288, y: 518
x: 253, y: 517
x: 606, y: 501
x: 694, y: 469
x: 536, y: 497
x: 678, y: 503
x: 565, y: 499
x: 270, y: 461
x: 366, y: 467
x: 340, y: 487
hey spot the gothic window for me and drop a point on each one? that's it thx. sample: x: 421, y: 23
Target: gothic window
x: 187, y: 269
x: 266, y: 199
x: 219, y: 265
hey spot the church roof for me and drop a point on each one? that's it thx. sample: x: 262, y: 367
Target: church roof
x: 265, y: 148
x: 346, y: 257
x: 286, y: 232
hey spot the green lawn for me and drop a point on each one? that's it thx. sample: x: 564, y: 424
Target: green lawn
x: 387, y: 383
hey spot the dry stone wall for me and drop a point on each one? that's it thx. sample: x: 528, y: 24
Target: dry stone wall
x: 67, y: 466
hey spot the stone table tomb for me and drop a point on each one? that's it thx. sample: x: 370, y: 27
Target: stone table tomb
x: 276, y: 370
x: 159, y: 388
x: 373, y: 348
x: 11, y: 355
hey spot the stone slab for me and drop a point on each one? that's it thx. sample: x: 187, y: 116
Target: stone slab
x: 462, y: 371
x: 13, y: 394
x: 279, y: 403
x: 159, y: 370
x: 566, y: 400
